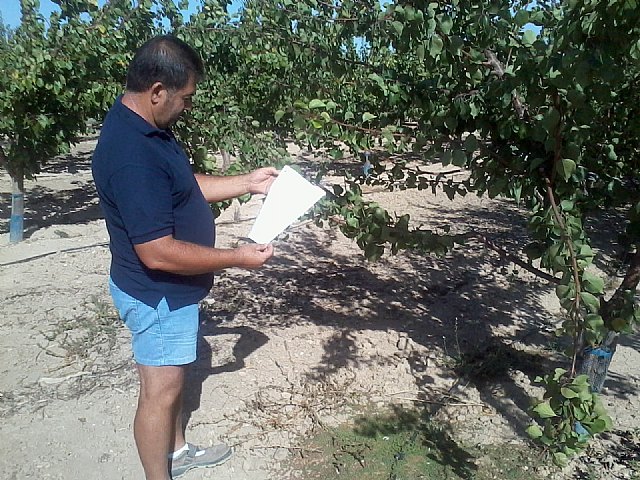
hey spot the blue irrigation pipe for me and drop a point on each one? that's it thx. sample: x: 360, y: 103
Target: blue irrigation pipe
x: 16, y: 224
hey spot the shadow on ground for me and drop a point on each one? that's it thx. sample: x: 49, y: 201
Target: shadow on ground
x: 249, y: 340
x: 45, y: 207
x: 456, y: 305
x: 438, y: 446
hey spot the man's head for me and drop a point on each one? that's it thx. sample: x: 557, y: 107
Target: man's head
x: 165, y: 69
x: 165, y: 59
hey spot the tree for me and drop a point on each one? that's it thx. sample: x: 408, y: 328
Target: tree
x: 58, y: 74
x: 5, y: 33
x: 545, y: 116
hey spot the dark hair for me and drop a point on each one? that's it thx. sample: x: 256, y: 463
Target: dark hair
x: 165, y: 59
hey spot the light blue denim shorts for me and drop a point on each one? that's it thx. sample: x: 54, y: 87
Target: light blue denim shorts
x: 159, y: 336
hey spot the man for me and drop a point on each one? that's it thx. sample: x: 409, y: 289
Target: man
x: 162, y: 234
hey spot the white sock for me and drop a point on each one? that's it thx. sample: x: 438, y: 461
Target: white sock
x: 179, y: 452
x: 185, y: 448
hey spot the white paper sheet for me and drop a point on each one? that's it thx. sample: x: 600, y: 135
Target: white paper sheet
x: 289, y: 197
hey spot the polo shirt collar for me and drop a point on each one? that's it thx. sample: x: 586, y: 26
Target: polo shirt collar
x: 136, y: 121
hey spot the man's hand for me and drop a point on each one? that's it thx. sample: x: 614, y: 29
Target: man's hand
x: 260, y: 180
x: 253, y: 256
x: 216, y: 188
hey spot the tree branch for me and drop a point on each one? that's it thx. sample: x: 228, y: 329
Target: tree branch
x: 499, y: 70
x: 512, y: 258
x: 4, y: 162
x: 630, y: 282
x: 574, y: 268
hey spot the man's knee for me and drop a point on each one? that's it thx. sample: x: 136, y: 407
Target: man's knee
x: 161, y: 385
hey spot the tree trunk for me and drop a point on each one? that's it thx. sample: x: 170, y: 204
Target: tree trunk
x: 226, y: 160
x: 595, y: 361
x: 16, y: 225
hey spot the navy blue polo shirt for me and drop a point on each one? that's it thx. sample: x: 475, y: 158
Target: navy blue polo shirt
x: 147, y: 190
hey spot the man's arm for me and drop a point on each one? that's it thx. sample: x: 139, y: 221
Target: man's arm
x: 216, y: 189
x: 183, y: 258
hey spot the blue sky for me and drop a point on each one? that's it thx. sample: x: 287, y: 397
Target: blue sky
x: 10, y: 9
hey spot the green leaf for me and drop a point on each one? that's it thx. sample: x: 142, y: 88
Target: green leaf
x: 591, y: 302
x: 567, y: 205
x: 550, y: 120
x: 445, y: 158
x: 568, y: 393
x: 278, y: 115
x: 377, y: 78
x: 470, y: 143
x: 455, y: 44
x: 529, y: 37
x: 594, y: 321
x: 620, y: 325
x: 535, y: 163
x: 459, y: 158
x: 560, y: 459
x: 585, y: 252
x: 316, y: 103
x: 436, y: 45
x: 446, y: 23
x: 585, y: 395
x: 366, y: 117
x: 558, y: 373
x: 373, y: 252
x: 398, y: 27
x: 592, y: 283
x: 562, y: 291
x: 534, y: 431
x: 544, y: 410
x: 566, y: 167
x: 299, y: 122
x: 200, y: 154
x: 522, y: 18
x: 599, y: 425
x: 581, y: 380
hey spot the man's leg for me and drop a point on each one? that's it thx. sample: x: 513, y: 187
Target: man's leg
x: 156, y: 423
x: 179, y: 439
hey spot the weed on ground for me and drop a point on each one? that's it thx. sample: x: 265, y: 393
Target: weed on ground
x: 405, y: 445
x: 85, y: 344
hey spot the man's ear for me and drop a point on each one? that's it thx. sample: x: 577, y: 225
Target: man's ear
x: 158, y: 92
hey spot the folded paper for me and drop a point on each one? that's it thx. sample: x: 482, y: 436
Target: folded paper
x: 289, y: 197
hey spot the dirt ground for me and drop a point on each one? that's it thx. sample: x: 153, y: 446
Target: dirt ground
x: 285, y: 350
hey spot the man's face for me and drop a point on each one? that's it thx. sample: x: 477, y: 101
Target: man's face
x: 174, y: 103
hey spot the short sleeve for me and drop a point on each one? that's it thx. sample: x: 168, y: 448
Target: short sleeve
x: 143, y: 198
